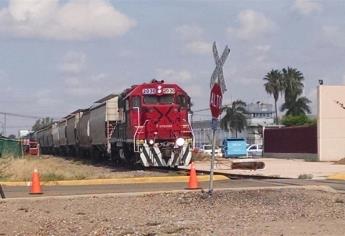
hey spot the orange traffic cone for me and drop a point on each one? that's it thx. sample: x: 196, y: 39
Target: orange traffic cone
x: 35, y: 183
x: 193, y: 180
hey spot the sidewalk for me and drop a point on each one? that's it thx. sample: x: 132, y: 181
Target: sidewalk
x: 284, y: 168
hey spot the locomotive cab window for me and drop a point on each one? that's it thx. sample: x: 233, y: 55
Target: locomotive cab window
x: 183, y: 101
x: 164, y: 99
x: 150, y: 100
x: 126, y: 105
x: 135, y: 102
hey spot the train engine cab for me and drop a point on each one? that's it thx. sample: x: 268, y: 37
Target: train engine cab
x: 154, y: 120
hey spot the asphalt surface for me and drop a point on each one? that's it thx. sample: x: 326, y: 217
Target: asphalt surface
x: 22, y: 192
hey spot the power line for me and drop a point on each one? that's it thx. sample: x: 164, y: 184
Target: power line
x: 204, y: 109
x: 20, y: 115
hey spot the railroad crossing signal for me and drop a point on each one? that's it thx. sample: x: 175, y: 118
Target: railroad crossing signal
x: 217, y: 75
x: 218, y: 87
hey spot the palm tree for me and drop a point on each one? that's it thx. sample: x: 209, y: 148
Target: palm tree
x: 293, y: 88
x: 274, y: 86
x: 297, y: 106
x: 292, y: 81
x: 234, y: 118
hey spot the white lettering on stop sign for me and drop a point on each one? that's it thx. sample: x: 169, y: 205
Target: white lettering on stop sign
x: 216, y: 100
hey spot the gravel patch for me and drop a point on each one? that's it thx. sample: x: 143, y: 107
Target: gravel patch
x: 251, y: 212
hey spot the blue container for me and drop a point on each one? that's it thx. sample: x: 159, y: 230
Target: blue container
x: 234, y: 147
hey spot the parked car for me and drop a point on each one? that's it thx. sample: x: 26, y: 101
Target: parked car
x: 254, y: 150
x: 207, y: 149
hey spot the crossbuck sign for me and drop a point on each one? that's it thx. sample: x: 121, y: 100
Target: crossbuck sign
x: 217, y: 75
x: 217, y: 82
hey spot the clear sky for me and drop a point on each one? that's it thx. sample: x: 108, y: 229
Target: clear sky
x: 58, y: 56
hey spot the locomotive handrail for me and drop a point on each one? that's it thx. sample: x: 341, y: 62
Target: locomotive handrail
x: 191, y: 130
x: 138, y: 114
x: 135, y: 134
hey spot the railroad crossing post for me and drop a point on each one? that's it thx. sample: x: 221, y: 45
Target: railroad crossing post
x: 214, y: 128
x: 218, y: 87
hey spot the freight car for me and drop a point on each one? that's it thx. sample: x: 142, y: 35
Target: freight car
x: 147, y: 123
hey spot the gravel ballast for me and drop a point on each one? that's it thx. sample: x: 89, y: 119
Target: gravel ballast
x: 247, y: 212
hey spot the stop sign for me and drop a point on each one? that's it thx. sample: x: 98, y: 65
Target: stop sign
x: 216, y: 100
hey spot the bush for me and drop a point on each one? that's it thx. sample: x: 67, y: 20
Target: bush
x: 298, y: 120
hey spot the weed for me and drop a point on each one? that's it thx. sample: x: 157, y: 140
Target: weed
x: 80, y: 176
x: 305, y: 176
x: 311, y: 159
x: 52, y: 177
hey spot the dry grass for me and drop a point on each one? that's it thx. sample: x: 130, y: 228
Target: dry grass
x: 56, y: 168
x: 205, y: 157
x: 200, y: 157
x: 340, y: 162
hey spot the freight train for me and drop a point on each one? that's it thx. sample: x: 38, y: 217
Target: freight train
x: 146, y: 123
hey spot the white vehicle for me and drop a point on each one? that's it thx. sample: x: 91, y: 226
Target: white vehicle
x: 254, y: 150
x: 207, y: 149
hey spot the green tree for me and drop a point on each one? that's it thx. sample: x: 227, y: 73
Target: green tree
x: 274, y: 86
x: 297, y: 120
x: 41, y: 123
x: 235, y: 119
x: 296, y: 106
x: 292, y: 81
x: 294, y: 103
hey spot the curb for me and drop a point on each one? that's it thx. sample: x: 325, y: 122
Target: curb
x: 139, y: 194
x: 339, y: 176
x: 135, y: 180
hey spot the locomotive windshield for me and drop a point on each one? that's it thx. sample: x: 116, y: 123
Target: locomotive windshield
x: 165, y: 99
x: 182, y: 101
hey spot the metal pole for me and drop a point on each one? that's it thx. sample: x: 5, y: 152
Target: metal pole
x: 5, y: 124
x: 212, y: 162
x: 2, y: 194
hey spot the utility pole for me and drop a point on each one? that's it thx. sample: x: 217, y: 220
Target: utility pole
x: 5, y: 114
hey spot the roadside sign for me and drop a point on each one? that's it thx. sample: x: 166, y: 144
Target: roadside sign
x: 216, y: 97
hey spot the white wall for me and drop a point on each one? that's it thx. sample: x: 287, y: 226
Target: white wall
x: 331, y: 123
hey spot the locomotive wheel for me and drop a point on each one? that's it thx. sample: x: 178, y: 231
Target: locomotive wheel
x: 131, y: 158
x: 115, y: 158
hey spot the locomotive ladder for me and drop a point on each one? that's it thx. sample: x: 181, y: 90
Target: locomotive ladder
x: 138, y: 131
x: 191, y: 131
x: 110, y: 130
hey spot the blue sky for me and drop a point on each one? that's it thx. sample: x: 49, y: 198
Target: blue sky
x: 57, y: 56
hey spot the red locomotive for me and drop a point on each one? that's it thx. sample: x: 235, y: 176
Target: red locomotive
x: 147, y: 124
x: 154, y: 126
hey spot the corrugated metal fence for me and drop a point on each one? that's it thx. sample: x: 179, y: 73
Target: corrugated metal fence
x: 10, y: 148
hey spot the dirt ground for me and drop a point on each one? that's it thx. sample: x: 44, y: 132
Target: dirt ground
x: 340, y: 162
x: 58, y: 168
x: 251, y: 212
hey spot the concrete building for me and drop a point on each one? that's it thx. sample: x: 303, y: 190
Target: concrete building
x: 331, y: 123
x: 258, y: 115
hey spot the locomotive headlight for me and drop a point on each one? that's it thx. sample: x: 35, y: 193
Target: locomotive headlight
x: 151, y: 141
x: 180, y: 142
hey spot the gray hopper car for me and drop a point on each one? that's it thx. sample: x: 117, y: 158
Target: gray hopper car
x: 86, y: 132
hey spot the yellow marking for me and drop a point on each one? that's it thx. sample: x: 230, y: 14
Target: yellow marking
x: 339, y: 176
x: 136, y: 180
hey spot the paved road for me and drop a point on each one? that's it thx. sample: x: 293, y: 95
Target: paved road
x: 15, y: 192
